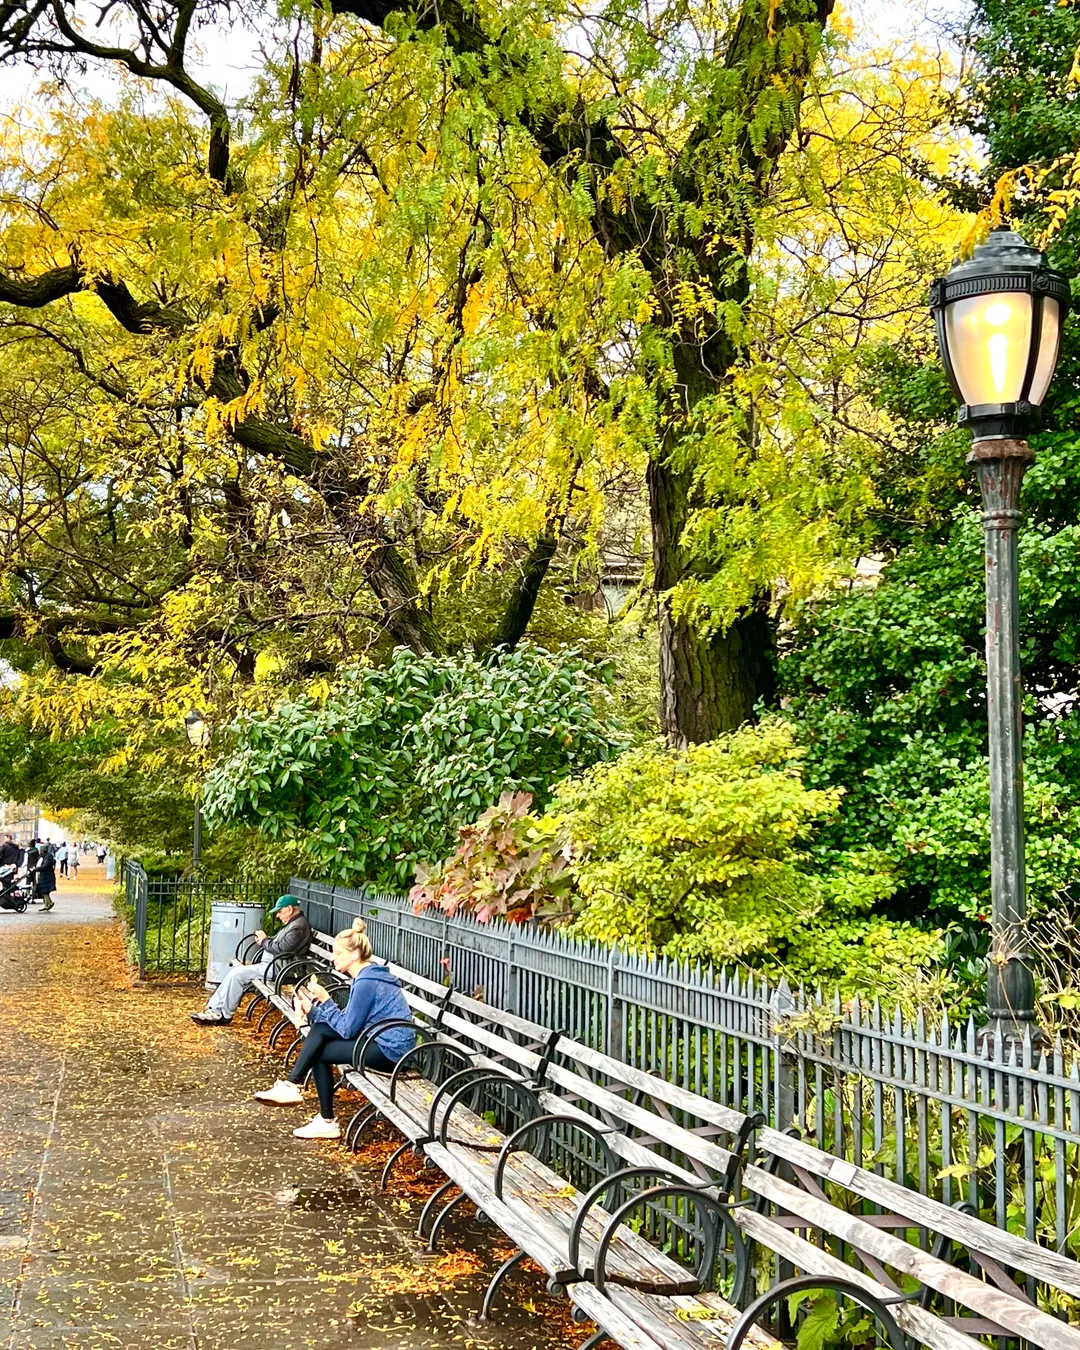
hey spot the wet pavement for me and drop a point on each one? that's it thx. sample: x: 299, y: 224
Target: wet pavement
x: 147, y: 1201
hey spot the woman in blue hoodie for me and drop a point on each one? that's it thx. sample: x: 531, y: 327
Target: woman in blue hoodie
x: 375, y: 996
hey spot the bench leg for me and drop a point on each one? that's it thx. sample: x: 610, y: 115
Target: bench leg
x: 497, y: 1279
x: 598, y: 1339
x: 271, y: 1011
x: 249, y: 1011
x: 441, y: 1218
x: 292, y: 1054
x: 385, y: 1177
x: 275, y: 1035
x: 358, y: 1125
x: 432, y: 1201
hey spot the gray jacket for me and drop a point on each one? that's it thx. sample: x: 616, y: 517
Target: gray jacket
x: 290, y: 943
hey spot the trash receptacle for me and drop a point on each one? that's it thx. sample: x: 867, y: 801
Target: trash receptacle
x: 229, y: 922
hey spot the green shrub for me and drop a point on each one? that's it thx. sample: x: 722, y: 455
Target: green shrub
x: 380, y: 774
x: 708, y: 854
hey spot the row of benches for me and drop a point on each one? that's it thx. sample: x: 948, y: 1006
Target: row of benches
x: 672, y: 1222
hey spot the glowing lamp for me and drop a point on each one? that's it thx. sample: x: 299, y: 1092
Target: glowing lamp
x: 999, y: 317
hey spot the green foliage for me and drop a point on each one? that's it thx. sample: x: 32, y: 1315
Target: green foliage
x: 509, y: 865
x: 381, y: 773
x: 709, y: 854
x: 887, y: 686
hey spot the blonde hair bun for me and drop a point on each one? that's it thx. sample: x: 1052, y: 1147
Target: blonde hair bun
x: 355, y: 940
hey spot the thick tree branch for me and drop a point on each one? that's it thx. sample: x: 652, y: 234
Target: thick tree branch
x: 519, y: 608
x: 47, y: 27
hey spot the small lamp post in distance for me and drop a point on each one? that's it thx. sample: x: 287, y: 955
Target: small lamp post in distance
x: 198, y: 734
x: 999, y: 316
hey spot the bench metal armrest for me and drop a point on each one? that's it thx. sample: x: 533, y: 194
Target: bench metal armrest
x: 876, y: 1307
x: 449, y: 1087
x: 241, y: 952
x: 718, y: 1210
x: 597, y: 1193
x: 291, y: 968
x: 429, y: 1046
x: 369, y: 1033
x: 526, y: 1096
x: 515, y: 1141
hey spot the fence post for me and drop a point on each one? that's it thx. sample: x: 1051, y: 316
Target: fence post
x: 615, y: 1009
x: 510, y: 983
x: 785, y: 1064
x: 140, y: 918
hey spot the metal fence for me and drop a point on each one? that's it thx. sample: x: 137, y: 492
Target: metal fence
x: 171, y: 916
x: 924, y: 1105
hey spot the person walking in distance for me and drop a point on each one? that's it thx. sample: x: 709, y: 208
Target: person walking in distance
x: 33, y: 857
x: 46, y: 877
x: 10, y: 853
x: 62, y: 858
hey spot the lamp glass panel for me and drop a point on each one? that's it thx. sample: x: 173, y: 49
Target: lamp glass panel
x: 989, y: 338
x: 196, y: 730
x: 1049, y: 341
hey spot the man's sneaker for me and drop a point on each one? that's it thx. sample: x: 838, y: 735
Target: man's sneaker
x: 318, y: 1127
x: 283, y: 1093
x: 206, y: 1018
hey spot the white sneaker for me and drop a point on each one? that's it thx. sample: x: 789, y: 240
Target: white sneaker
x: 319, y: 1128
x: 283, y: 1093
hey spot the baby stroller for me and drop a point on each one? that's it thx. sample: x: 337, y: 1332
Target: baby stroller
x: 13, y: 892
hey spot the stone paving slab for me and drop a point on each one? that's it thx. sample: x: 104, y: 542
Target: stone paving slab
x: 146, y: 1201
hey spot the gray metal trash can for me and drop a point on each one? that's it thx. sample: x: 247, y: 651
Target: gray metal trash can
x: 229, y: 922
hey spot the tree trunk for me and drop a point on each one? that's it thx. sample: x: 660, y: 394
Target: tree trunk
x: 709, y: 683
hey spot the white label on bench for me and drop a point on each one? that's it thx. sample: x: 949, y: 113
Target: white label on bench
x: 842, y: 1172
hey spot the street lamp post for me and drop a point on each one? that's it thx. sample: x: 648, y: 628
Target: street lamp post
x: 999, y: 318
x: 198, y: 734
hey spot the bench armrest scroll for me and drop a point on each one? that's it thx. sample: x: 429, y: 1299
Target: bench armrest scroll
x: 516, y: 1141
x: 369, y: 1033
x: 875, y: 1306
x: 719, y: 1219
x: 430, y: 1046
x: 527, y: 1098
x: 597, y: 1193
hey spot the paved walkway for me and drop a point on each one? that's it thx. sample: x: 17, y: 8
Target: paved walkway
x: 147, y: 1201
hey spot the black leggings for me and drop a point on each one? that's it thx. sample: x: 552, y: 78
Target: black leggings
x: 322, y: 1048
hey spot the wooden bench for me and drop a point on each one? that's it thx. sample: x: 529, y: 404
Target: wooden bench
x: 753, y: 1192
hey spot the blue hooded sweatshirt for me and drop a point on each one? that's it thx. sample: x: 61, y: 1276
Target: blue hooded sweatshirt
x: 375, y: 996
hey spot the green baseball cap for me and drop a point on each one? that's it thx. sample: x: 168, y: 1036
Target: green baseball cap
x: 284, y: 901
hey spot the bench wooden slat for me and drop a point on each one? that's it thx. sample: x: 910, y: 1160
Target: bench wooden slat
x: 930, y: 1330
x: 1023, y: 1318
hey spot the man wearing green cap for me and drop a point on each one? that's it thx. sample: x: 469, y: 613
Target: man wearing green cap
x: 290, y: 943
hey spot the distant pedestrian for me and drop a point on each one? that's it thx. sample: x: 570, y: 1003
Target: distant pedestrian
x: 10, y: 853
x: 73, y: 864
x: 62, y: 858
x: 33, y: 857
x: 46, y: 877
x: 101, y: 853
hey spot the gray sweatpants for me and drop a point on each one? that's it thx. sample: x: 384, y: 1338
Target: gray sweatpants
x: 226, y: 997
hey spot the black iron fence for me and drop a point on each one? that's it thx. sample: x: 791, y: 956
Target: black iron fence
x: 925, y: 1105
x: 171, y: 916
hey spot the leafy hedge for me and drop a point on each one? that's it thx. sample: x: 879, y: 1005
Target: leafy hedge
x: 380, y: 774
